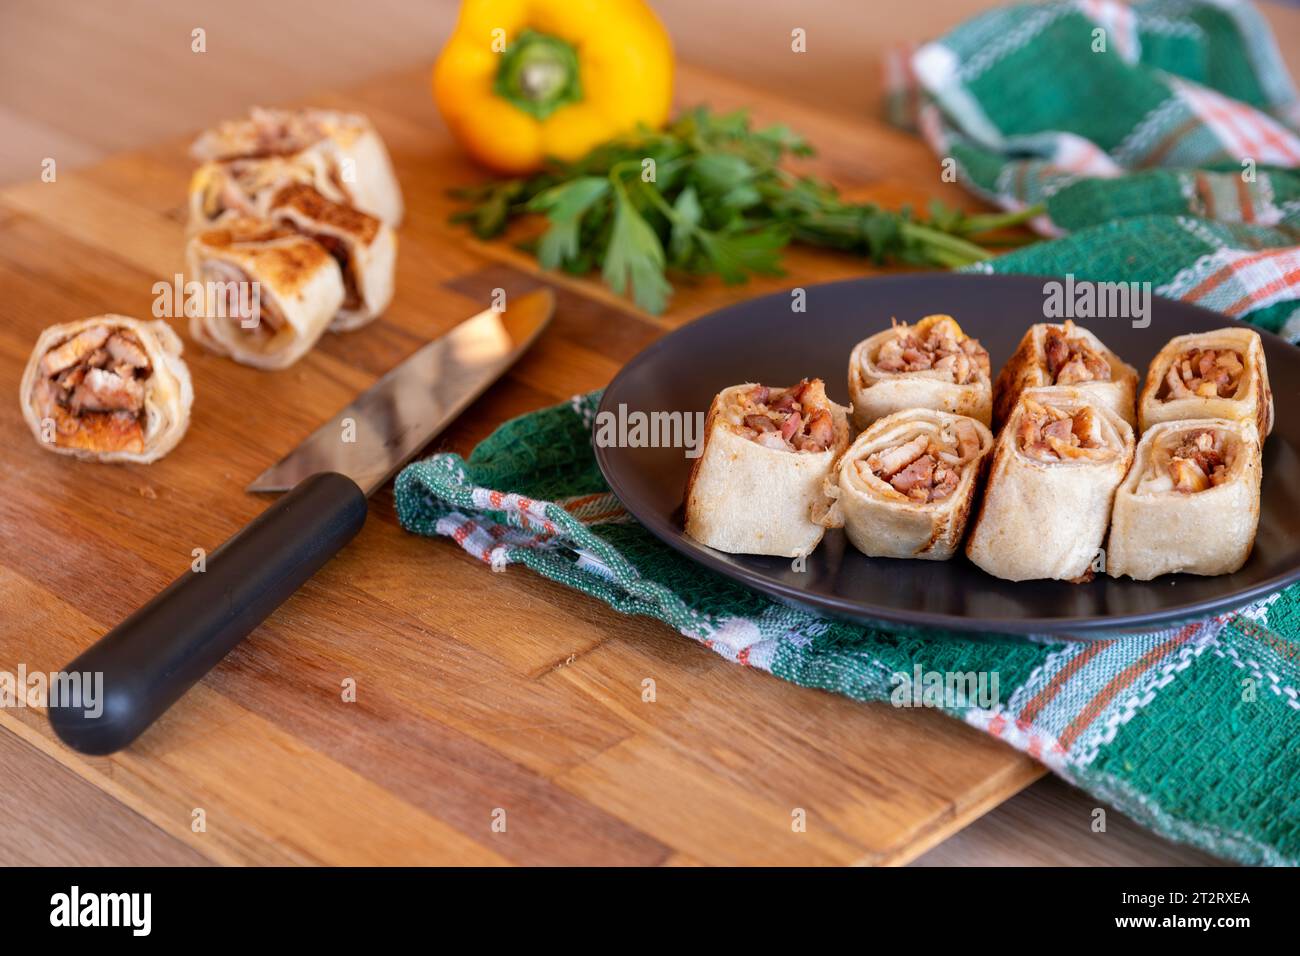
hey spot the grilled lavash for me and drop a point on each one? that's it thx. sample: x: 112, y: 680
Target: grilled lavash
x: 299, y: 291
x: 344, y: 146
x: 875, y: 392
x: 1251, y: 401
x: 167, y: 390
x: 1044, y: 518
x: 746, y: 498
x: 1028, y: 367
x: 364, y: 246
x: 881, y: 521
x: 1156, y: 529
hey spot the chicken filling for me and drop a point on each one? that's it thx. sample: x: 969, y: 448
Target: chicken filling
x: 93, y: 388
x: 926, y: 468
x: 1203, y: 373
x: 786, y: 419
x: 1070, y: 359
x: 337, y: 248
x: 243, y: 181
x: 938, y: 347
x: 282, y: 132
x: 1201, y: 460
x: 1052, y: 433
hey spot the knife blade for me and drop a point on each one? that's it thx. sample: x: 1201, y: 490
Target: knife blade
x: 377, y: 434
x: 152, y: 658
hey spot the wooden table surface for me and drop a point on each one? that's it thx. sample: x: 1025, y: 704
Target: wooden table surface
x: 476, y: 692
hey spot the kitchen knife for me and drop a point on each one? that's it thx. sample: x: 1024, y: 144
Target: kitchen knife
x: 159, y: 652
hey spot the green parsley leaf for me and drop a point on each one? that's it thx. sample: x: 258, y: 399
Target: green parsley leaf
x: 635, y: 250
x: 710, y: 190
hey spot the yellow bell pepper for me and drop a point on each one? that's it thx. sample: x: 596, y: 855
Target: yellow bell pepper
x: 520, y: 81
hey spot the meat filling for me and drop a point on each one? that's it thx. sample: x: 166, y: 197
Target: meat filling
x: 1071, y: 360
x: 93, y: 390
x: 1050, y: 433
x: 938, y: 347
x: 1201, y: 460
x: 787, y: 419
x: 280, y: 132
x: 1198, y: 463
x: 243, y: 181
x: 1203, y: 373
x: 337, y: 248
x: 926, y: 468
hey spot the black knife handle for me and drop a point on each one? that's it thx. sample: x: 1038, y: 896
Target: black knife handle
x: 159, y: 652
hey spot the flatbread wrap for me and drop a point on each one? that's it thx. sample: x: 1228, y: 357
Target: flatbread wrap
x: 1190, y: 502
x: 269, y: 292
x: 931, y: 364
x: 353, y: 156
x: 109, y: 388
x: 758, y: 486
x: 905, y: 487
x: 1218, y: 374
x: 364, y: 247
x: 1066, y: 355
x: 1056, y: 466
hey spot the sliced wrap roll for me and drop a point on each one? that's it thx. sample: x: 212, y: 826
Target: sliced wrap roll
x: 109, y: 388
x: 932, y: 364
x: 352, y: 154
x: 1190, y: 502
x: 364, y: 247
x: 269, y: 292
x: 905, y: 487
x: 1219, y: 374
x: 1066, y: 355
x: 1056, y: 466
x: 244, y: 186
x: 758, y: 485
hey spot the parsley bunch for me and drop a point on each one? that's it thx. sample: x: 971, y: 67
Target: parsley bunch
x: 707, y: 195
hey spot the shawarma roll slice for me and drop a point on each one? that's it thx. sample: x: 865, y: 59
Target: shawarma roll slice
x: 364, y: 247
x: 1056, y: 466
x: 758, y: 486
x: 109, y: 388
x: 1070, y: 355
x: 932, y: 364
x: 355, y: 160
x: 905, y: 487
x: 1219, y: 374
x: 1190, y: 502
x: 269, y: 292
x: 222, y: 188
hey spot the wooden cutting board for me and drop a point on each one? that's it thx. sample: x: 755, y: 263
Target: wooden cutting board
x: 476, y: 692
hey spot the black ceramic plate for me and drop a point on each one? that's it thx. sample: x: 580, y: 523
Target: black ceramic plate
x: 763, y: 340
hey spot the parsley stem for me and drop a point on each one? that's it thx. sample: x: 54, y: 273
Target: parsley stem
x: 936, y: 240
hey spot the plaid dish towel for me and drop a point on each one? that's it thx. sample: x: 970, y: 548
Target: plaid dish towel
x: 1191, y: 730
x: 1161, y: 136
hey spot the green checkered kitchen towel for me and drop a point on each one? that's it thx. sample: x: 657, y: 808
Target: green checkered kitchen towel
x: 1159, y: 135
x: 1191, y: 730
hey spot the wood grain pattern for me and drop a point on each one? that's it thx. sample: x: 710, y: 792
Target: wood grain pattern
x: 74, y: 82
x: 476, y: 692
x: 78, y: 824
x: 1051, y: 824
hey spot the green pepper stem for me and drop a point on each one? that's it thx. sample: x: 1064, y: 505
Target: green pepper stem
x: 539, y: 74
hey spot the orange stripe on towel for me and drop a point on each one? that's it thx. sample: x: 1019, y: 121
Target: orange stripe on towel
x: 1119, y: 682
